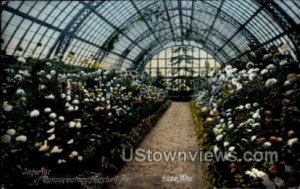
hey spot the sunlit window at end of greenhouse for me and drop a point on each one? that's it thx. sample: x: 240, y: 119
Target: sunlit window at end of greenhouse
x: 180, y: 67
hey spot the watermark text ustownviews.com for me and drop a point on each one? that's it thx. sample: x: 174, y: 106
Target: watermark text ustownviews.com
x: 150, y: 155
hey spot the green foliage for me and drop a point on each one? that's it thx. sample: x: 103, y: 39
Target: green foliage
x: 67, y: 120
x: 252, y: 108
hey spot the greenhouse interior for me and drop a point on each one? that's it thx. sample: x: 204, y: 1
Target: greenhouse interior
x: 192, y: 94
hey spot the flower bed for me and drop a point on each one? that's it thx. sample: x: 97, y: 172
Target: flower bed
x: 249, y: 110
x: 55, y: 117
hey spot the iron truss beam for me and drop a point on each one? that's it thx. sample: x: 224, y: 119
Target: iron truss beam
x: 180, y: 19
x: 284, y: 21
x: 243, y: 26
x: 244, y: 31
x: 192, y: 15
x: 223, y: 16
x: 169, y: 19
x: 140, y: 64
x: 194, y: 35
x: 64, y: 40
x: 215, y: 32
x: 287, y: 32
x: 214, y: 20
x: 109, y: 23
x: 43, y: 23
x: 142, y: 17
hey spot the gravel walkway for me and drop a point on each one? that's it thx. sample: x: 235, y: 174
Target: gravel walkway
x: 173, y: 132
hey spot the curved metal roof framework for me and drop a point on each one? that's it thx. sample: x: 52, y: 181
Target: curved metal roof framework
x: 129, y: 32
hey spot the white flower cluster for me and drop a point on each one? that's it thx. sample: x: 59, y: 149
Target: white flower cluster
x: 255, y: 173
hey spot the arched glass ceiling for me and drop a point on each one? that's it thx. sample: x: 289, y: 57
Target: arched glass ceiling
x: 130, y: 32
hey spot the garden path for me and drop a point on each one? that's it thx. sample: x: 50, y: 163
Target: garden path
x: 173, y: 132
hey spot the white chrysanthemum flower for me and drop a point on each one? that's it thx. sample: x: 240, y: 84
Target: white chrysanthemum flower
x: 225, y: 144
x: 72, y: 124
x: 78, y: 125
x: 248, y: 106
x: 67, y: 104
x: 204, y: 109
x: 18, y: 77
x: 250, y: 174
x: 264, y: 71
x: 257, y: 172
x: 68, y: 98
x: 76, y: 108
x: 70, y: 141
x: 50, y: 97
x: 80, y: 158
x: 230, y: 126
x: 44, y: 147
x: 219, y: 137
x: 42, y: 87
x: 70, y: 108
x: 60, y: 161
x: 216, y: 149
x: 52, y: 137
x: 21, y: 138
x: 271, y: 67
x: 249, y: 65
x: 11, y: 132
x: 63, y: 95
x: 231, y: 148
x: 47, y: 110
x: 48, y: 63
x: 34, y: 113
x: 48, y: 76
x: 41, y: 72
x: 52, y: 72
x: 287, y: 83
x: 209, y: 119
x: 51, y: 130
x: 5, y: 138
x: 56, y: 149
x: 61, y: 118
x: 74, y: 153
x: 20, y: 92
x: 24, y: 73
x: 241, y: 107
x: 52, y: 115
x: 292, y: 141
x: 8, y: 108
x: 75, y: 101
x: 252, y: 76
x: 239, y: 86
x: 51, y: 123
x: 256, y: 115
x: 253, y: 138
x: 271, y: 82
x: 267, y: 144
